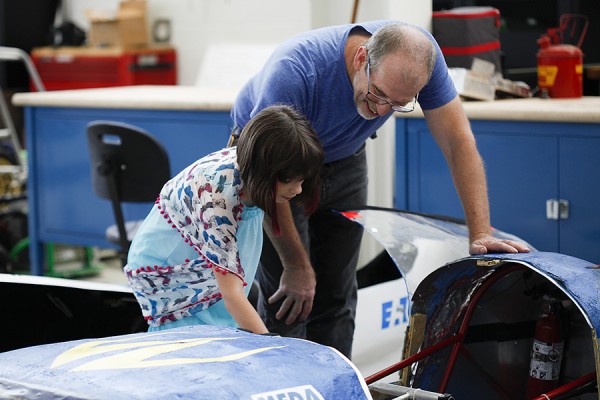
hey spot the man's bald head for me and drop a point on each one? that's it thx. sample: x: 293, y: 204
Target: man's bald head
x: 412, y: 46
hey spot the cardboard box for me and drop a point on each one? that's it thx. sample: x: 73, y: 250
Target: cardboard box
x: 482, y: 82
x: 471, y: 85
x: 475, y: 83
x: 126, y: 28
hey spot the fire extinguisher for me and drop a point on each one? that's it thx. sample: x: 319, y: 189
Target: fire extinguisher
x: 546, y: 355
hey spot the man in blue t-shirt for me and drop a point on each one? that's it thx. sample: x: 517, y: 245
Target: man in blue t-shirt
x: 347, y: 80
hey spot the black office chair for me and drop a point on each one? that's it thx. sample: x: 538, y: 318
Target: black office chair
x: 127, y: 165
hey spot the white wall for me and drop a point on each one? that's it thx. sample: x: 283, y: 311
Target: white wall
x: 199, y: 23
x: 196, y: 24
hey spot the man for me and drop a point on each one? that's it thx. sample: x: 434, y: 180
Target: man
x: 348, y: 80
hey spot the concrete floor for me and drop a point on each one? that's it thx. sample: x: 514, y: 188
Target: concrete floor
x: 109, y: 265
x: 111, y: 272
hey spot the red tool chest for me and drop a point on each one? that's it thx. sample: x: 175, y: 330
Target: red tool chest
x: 64, y: 68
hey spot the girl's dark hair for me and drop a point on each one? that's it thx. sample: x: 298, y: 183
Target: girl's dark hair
x: 279, y: 144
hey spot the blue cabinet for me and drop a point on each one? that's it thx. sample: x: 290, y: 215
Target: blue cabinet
x: 530, y: 166
x: 62, y: 205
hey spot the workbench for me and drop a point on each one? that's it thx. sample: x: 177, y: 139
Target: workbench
x: 63, y: 208
x: 542, y: 163
x: 538, y: 153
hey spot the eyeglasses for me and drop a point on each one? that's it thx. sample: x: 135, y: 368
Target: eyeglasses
x: 379, y: 100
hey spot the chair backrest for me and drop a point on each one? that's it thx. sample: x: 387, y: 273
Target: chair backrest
x: 127, y: 165
x: 136, y: 160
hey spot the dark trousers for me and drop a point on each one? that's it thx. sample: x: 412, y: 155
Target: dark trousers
x: 333, y: 243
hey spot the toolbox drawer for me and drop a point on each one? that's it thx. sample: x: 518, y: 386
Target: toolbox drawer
x: 78, y: 68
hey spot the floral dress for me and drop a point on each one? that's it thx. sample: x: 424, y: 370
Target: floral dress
x: 198, y: 222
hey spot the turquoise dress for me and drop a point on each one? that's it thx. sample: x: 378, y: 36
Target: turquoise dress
x: 198, y: 222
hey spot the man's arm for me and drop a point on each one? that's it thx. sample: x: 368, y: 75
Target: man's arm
x: 298, y: 281
x: 451, y: 130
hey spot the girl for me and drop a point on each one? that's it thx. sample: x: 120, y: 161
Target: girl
x: 202, y: 240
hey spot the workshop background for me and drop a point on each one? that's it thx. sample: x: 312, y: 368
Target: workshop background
x: 220, y: 43
x: 540, y: 154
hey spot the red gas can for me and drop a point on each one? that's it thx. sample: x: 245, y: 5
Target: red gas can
x: 560, y: 64
x: 560, y: 69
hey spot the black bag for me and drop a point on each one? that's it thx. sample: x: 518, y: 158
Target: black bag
x: 464, y: 33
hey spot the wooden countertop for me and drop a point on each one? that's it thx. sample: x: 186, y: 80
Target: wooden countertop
x: 152, y: 97
x: 585, y: 109
x: 88, y: 51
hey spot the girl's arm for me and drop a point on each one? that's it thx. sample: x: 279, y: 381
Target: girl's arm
x: 237, y: 304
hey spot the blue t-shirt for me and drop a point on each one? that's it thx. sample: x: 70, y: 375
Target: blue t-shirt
x: 308, y: 72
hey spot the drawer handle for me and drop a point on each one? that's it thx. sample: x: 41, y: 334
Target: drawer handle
x: 557, y: 209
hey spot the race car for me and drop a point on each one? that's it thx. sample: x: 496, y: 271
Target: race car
x: 432, y: 323
x: 198, y: 362
x: 496, y: 326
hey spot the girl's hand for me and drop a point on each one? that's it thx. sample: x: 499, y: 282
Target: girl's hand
x: 237, y: 304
